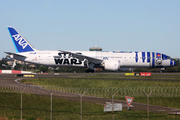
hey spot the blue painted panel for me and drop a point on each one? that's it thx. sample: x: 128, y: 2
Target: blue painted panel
x: 153, y: 61
x: 165, y: 57
x: 136, y: 57
x: 148, y: 56
x: 171, y: 62
x: 143, y: 56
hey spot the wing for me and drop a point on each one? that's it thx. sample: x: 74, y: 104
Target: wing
x: 82, y: 57
x: 15, y: 54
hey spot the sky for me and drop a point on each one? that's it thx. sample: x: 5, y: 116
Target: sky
x: 71, y: 25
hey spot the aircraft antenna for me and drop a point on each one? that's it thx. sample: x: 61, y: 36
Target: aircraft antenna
x: 98, y: 43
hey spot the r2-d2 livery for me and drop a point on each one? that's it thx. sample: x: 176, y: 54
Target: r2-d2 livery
x: 109, y: 60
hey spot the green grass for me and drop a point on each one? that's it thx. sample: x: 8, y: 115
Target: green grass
x: 105, y: 83
x: 172, y: 102
x: 39, y: 107
x: 99, y: 83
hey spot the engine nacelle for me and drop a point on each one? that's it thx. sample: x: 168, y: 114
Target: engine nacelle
x: 112, y: 65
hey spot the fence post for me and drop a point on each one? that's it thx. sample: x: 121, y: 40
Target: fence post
x: 51, y: 106
x: 147, y: 103
x: 81, y: 103
x: 113, y: 104
x: 51, y: 101
x: 21, y: 105
x: 21, y: 100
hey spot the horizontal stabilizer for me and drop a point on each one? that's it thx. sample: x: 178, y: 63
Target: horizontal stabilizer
x: 9, y: 53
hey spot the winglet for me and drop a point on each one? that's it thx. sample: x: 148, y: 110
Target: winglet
x: 20, y: 43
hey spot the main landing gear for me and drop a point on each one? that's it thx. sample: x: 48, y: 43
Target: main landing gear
x: 90, y: 70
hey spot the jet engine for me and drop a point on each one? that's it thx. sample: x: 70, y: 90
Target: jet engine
x: 112, y: 65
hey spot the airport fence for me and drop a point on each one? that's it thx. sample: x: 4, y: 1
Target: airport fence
x: 47, y: 97
x: 96, y: 92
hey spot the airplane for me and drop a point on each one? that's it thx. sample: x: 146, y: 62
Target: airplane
x: 108, y: 60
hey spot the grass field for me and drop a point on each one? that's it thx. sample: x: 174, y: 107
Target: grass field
x: 39, y: 107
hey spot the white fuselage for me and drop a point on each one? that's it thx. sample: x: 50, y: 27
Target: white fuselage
x: 127, y: 59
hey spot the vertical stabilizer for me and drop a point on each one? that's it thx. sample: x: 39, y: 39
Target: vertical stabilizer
x: 20, y: 43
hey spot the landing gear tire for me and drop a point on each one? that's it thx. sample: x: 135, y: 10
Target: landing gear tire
x: 90, y: 71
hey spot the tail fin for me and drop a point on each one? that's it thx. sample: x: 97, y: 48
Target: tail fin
x: 20, y: 43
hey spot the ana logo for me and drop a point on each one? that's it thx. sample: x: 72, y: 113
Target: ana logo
x: 32, y: 53
x: 20, y: 40
x: 105, y: 58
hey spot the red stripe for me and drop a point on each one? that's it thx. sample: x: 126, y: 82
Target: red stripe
x: 16, y: 71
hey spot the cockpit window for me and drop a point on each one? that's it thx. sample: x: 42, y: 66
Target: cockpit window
x: 165, y: 57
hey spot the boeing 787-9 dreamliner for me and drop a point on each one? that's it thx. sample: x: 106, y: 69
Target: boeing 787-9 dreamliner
x: 109, y: 60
